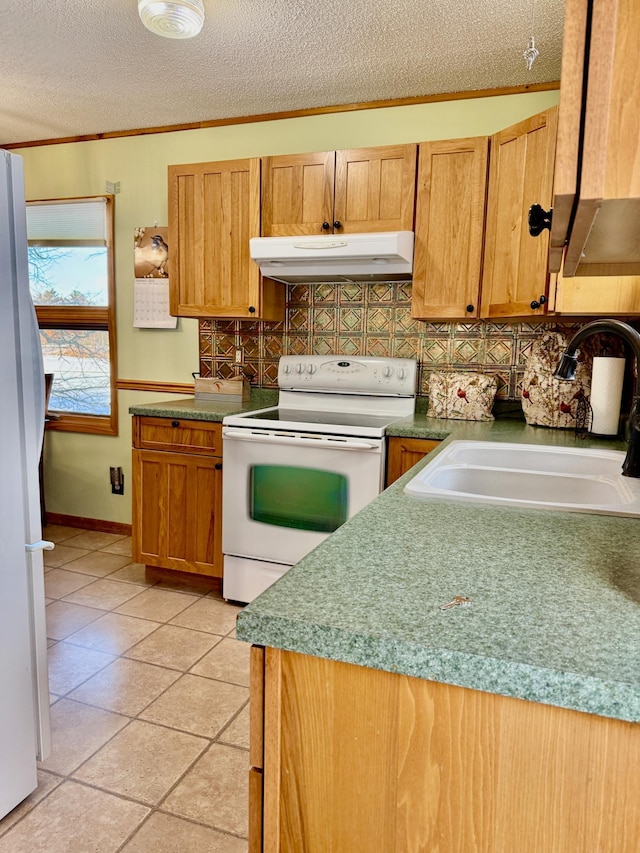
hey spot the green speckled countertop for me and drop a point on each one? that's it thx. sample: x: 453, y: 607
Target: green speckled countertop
x: 190, y: 409
x: 555, y: 616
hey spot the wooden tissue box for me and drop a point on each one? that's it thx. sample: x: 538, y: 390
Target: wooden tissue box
x: 235, y: 390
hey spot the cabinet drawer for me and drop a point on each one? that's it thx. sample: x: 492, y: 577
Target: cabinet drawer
x: 178, y: 435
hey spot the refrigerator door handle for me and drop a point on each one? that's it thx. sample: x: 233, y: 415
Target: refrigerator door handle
x: 37, y: 618
x: 40, y: 545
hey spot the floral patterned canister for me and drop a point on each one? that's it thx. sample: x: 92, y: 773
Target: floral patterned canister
x: 462, y: 396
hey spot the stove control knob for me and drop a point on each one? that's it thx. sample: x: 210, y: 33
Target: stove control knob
x: 387, y: 372
x: 299, y: 368
x: 287, y: 369
x: 402, y: 373
x: 311, y: 369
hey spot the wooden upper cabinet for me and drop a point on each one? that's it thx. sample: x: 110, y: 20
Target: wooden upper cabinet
x: 618, y: 296
x: 297, y: 194
x: 515, y: 276
x: 375, y: 189
x: 214, y: 208
x: 565, y: 178
x: 605, y: 234
x: 359, y: 190
x: 450, y: 211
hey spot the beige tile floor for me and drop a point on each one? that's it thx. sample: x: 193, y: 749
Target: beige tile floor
x: 149, y: 714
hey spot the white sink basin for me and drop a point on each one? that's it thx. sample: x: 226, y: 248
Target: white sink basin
x: 530, y: 475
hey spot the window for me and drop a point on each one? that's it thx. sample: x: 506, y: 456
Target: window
x: 72, y: 286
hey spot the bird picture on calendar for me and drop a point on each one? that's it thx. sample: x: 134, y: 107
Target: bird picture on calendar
x: 151, y: 252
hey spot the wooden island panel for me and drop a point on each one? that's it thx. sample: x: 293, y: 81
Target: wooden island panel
x: 363, y: 760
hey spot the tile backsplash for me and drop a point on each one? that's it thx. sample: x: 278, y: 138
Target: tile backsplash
x: 367, y: 319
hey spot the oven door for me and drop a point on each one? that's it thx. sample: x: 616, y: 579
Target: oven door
x: 285, y: 492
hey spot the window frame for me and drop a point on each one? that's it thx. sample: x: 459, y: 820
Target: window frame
x: 101, y: 318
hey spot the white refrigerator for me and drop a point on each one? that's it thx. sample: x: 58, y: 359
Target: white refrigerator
x: 24, y: 689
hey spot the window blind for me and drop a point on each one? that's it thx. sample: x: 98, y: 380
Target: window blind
x: 67, y: 223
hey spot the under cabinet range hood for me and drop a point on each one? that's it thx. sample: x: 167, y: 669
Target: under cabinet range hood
x: 384, y: 256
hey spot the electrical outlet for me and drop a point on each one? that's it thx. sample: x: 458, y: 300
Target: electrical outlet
x: 238, y: 356
x: 117, y: 481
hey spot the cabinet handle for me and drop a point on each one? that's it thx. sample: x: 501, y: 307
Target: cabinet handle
x: 539, y: 219
x: 218, y: 466
x: 252, y: 310
x: 536, y: 303
x: 470, y: 308
x: 326, y: 226
x: 337, y: 225
x: 175, y: 423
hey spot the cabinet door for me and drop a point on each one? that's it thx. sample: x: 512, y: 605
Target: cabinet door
x: 375, y: 189
x: 177, y: 511
x: 515, y: 275
x: 404, y: 453
x: 450, y: 204
x: 214, y: 208
x: 297, y: 194
x: 605, y: 235
x: 586, y: 295
x: 565, y: 180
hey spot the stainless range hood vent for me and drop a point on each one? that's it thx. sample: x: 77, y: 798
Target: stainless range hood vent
x: 385, y: 256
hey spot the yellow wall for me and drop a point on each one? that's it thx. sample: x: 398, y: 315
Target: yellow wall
x: 77, y: 466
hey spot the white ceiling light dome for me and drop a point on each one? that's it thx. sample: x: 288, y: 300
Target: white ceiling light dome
x: 180, y: 19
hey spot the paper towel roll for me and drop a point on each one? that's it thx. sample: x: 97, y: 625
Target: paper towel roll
x: 606, y: 394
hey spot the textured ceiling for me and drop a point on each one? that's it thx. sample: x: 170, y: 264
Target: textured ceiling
x: 72, y: 67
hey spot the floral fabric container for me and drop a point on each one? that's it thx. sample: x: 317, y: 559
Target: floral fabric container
x: 551, y: 402
x: 461, y: 396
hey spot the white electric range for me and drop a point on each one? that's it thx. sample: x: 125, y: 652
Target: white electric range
x: 295, y: 472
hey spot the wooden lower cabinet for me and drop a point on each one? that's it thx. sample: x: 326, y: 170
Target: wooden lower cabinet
x: 403, y: 453
x: 177, y: 496
x: 362, y: 760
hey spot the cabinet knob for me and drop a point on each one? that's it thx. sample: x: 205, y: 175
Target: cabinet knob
x: 218, y: 466
x: 252, y: 310
x: 539, y: 219
x: 175, y: 423
x: 470, y: 308
x: 326, y: 226
x: 337, y: 225
x: 536, y: 303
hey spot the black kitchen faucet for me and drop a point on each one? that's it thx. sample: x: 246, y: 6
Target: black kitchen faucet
x: 566, y: 369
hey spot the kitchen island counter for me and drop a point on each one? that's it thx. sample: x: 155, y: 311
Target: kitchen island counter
x: 555, y: 612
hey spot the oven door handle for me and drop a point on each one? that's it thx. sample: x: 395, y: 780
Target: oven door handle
x: 332, y: 443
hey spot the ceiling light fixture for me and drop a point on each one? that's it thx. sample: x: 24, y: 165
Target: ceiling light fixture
x: 180, y: 19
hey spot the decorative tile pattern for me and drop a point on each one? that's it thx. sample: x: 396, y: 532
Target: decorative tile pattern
x: 468, y: 351
x: 499, y: 351
x: 351, y: 345
x: 355, y: 318
x: 405, y: 347
x: 324, y: 321
x: 324, y: 345
x: 352, y: 292
x: 351, y: 320
x: 324, y: 293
